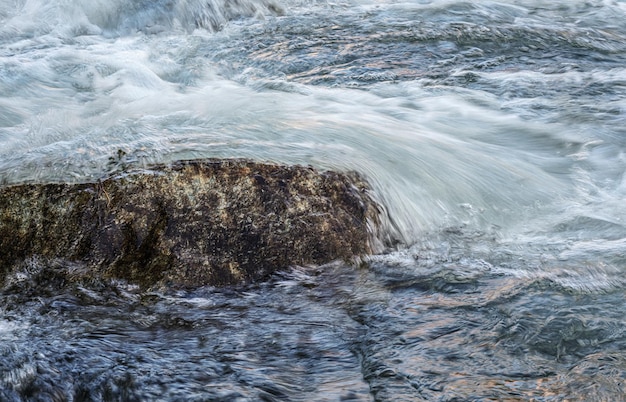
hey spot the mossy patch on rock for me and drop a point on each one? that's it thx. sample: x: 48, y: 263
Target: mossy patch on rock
x: 191, y: 223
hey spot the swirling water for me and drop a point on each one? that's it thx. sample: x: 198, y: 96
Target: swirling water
x: 493, y: 132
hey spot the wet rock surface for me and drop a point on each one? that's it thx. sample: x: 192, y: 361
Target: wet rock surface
x: 192, y: 223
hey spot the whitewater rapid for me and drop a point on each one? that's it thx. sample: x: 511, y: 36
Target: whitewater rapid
x: 493, y: 133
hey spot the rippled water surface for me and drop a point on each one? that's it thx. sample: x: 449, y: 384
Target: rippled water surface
x: 493, y: 132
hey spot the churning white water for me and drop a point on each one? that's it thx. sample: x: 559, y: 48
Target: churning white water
x: 493, y: 132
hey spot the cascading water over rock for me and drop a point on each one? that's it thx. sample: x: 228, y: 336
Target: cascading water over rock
x: 492, y: 133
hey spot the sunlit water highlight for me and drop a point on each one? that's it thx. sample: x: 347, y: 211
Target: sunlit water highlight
x: 493, y: 132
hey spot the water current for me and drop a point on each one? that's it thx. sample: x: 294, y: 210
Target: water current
x: 492, y: 131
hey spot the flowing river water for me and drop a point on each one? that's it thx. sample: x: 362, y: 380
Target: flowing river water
x: 494, y: 132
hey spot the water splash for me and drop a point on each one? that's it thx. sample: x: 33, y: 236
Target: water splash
x: 492, y: 131
x: 69, y: 19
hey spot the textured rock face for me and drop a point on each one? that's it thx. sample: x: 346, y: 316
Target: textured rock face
x: 191, y: 223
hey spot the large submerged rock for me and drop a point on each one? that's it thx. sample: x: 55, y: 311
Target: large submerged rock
x: 211, y: 222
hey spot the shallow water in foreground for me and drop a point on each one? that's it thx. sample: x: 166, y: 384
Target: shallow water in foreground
x: 412, y: 326
x: 492, y: 131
